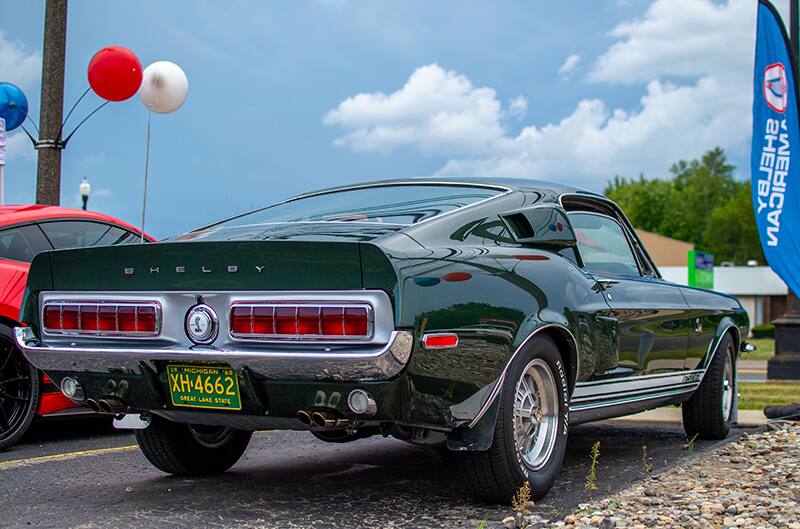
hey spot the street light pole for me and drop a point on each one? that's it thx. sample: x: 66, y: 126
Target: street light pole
x: 48, y: 178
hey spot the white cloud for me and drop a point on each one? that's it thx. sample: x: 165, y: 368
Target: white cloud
x: 21, y: 66
x: 437, y: 111
x: 518, y: 107
x: 693, y: 59
x: 18, y: 145
x: 681, y: 38
x: 566, y: 70
x: 18, y: 64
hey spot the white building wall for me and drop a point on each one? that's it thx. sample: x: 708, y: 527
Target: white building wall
x: 735, y: 280
x: 748, y: 283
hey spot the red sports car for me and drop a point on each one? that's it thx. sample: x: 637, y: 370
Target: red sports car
x: 24, y: 232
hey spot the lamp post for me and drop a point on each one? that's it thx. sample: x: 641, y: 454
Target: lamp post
x: 85, y: 188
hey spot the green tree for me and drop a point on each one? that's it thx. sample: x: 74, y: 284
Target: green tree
x: 702, y: 203
x: 731, y: 231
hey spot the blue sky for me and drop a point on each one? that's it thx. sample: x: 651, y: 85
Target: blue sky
x: 287, y: 97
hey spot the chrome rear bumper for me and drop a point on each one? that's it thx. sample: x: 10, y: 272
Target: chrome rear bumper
x: 362, y: 364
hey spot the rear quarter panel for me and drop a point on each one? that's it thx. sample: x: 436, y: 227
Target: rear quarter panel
x: 711, y: 314
x: 493, y: 299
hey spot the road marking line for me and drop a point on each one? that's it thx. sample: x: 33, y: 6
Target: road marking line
x: 15, y: 463
x: 751, y: 370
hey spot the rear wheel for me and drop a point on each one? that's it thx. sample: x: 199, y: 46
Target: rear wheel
x: 191, y: 449
x: 708, y: 413
x: 530, y: 434
x: 19, y: 391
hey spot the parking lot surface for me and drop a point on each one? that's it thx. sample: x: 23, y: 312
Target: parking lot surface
x: 85, y: 474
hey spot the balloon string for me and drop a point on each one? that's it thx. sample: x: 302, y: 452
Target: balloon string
x: 28, y: 117
x: 33, y: 140
x: 71, y: 110
x: 146, y: 168
x: 92, y: 113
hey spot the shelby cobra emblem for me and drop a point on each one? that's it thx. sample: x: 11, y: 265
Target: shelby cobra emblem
x: 489, y: 315
x: 201, y: 324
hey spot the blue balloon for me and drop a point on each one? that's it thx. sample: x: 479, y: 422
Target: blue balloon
x: 13, y: 105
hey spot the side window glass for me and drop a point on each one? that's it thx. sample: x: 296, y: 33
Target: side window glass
x: 603, y: 245
x: 493, y: 231
x: 22, y: 243
x: 75, y: 233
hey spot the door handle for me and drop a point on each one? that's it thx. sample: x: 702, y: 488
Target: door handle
x: 605, y: 284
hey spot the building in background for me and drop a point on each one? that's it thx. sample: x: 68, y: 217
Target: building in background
x: 665, y: 251
x: 759, y: 289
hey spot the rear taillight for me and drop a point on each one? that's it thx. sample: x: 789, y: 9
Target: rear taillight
x: 286, y: 321
x: 102, y: 319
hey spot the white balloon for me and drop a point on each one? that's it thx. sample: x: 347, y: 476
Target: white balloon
x: 164, y: 87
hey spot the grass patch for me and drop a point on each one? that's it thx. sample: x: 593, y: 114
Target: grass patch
x: 755, y: 396
x: 765, y: 351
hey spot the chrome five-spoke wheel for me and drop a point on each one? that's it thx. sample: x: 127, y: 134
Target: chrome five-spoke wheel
x: 535, y: 414
x: 727, y: 387
x: 530, y: 429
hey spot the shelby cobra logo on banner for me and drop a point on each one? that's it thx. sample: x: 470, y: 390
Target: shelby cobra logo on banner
x: 776, y: 88
x: 775, y: 137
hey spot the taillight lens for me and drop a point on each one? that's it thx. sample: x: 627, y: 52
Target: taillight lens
x: 114, y: 319
x: 356, y: 321
x: 333, y: 321
x: 300, y: 321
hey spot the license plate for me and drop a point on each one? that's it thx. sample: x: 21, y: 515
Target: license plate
x: 204, y: 387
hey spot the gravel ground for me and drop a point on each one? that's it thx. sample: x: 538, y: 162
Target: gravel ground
x: 754, y: 482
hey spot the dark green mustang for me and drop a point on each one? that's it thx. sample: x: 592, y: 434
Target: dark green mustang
x: 487, y: 314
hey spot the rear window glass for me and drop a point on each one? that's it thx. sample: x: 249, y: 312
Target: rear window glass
x: 398, y: 204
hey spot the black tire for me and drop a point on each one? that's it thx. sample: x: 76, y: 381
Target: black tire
x: 704, y: 415
x: 19, y: 391
x: 496, y: 474
x: 191, y: 450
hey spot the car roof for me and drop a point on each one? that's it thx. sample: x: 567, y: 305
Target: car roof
x: 550, y: 191
x: 510, y: 183
x: 11, y: 214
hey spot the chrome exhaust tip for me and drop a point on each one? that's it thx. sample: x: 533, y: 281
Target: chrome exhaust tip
x: 111, y: 405
x: 320, y: 420
x: 92, y: 404
x: 304, y: 417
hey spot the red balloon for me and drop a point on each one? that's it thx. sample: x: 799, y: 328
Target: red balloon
x: 115, y: 73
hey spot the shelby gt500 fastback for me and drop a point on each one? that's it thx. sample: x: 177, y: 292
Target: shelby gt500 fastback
x: 487, y: 314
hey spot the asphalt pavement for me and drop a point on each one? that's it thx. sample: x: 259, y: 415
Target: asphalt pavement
x: 751, y: 370
x: 85, y: 474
